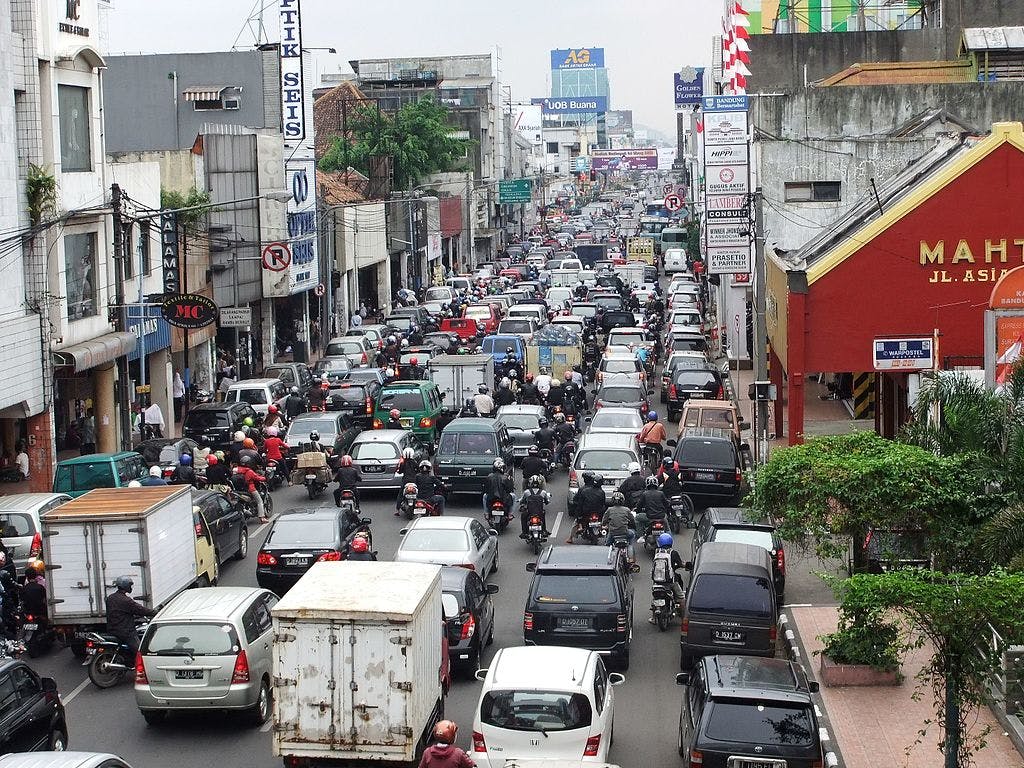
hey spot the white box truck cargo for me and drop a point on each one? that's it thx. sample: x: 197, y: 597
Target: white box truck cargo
x: 148, y: 534
x: 460, y: 376
x: 357, y: 664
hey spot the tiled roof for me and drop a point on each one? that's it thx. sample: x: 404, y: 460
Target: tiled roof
x: 899, y: 72
x: 334, y: 191
x: 328, y: 110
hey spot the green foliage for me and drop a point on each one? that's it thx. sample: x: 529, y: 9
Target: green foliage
x: 693, y: 238
x: 417, y: 137
x: 950, y: 611
x: 832, y: 488
x: 864, y: 639
x: 41, y: 191
x: 197, y: 200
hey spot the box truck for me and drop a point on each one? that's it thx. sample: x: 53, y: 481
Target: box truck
x: 459, y: 377
x: 357, y: 664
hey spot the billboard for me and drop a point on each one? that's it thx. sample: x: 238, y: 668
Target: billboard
x: 577, y: 58
x: 625, y: 159
x: 689, y: 86
x: 582, y: 105
x: 528, y: 121
x: 618, y: 121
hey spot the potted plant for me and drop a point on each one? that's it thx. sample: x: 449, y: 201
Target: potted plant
x: 864, y: 650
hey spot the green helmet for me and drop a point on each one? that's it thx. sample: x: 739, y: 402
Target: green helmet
x: 248, y: 421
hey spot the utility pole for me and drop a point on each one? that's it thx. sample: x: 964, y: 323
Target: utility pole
x: 760, y: 332
x: 122, y: 361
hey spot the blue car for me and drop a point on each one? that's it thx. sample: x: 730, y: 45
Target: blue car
x: 495, y: 346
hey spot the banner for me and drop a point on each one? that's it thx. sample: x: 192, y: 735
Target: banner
x: 689, y: 86
x: 580, y: 105
x: 577, y: 58
x: 529, y: 120
x: 625, y: 159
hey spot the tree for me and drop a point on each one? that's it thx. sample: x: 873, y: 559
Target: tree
x: 196, y: 200
x: 417, y: 137
x: 948, y: 610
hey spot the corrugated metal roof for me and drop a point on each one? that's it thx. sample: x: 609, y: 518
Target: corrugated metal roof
x: 467, y: 82
x: 994, y: 38
x: 901, y: 72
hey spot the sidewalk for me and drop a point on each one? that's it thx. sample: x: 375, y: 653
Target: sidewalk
x: 874, y: 726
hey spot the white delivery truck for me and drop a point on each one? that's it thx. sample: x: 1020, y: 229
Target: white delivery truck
x: 149, y: 534
x: 459, y: 377
x: 357, y: 664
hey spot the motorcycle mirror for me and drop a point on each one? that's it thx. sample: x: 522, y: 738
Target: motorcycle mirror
x: 531, y: 567
x: 49, y: 684
x: 492, y: 589
x: 365, y: 521
x: 481, y: 674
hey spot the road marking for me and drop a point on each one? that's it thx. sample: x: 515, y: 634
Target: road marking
x: 558, y: 522
x: 798, y: 605
x: 81, y: 687
x: 259, y: 530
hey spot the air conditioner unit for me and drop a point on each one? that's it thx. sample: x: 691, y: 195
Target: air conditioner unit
x: 232, y: 103
x: 220, y: 229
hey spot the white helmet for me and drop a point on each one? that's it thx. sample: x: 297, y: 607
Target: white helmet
x: 238, y: 436
x: 134, y: 484
x: 634, y: 468
x: 405, y: 343
x: 505, y: 382
x: 155, y: 471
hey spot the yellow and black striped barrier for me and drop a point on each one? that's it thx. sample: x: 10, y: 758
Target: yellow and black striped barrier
x: 863, y: 395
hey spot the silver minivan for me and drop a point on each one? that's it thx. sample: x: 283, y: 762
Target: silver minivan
x: 19, y: 524
x: 209, y: 648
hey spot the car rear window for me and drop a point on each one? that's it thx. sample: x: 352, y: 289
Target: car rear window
x: 711, y: 453
x: 617, y: 337
x: 437, y: 294
x: 344, y: 348
x: 620, y: 366
x: 689, y: 377
x: 14, y: 524
x: 577, y: 589
x: 581, y: 310
x: 760, y: 723
x: 374, y: 451
x: 435, y: 540
x: 731, y: 594
x: 350, y: 394
x: 75, y: 477
x: 402, y: 399
x: 478, y: 312
x: 332, y: 364
x: 535, y: 710
x: 608, y: 419
x: 302, y: 427
x: 189, y: 639
x: 608, y: 302
x: 467, y: 444
x: 301, y: 532
x: 619, y: 394
x: 604, y: 460
x: 151, y: 452
x: 753, y: 536
x: 520, y: 420
x: 206, y: 419
x: 257, y: 396
x: 515, y: 326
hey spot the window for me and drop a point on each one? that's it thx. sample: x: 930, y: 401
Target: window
x: 8, y: 697
x: 575, y: 589
x: 25, y: 683
x: 145, y: 267
x: 600, y: 685
x: 75, y: 136
x: 724, y: 593
x: 761, y: 723
x: 435, y: 540
x: 191, y: 639
x: 207, y: 105
x: 80, y: 275
x: 812, y: 191
x: 535, y: 710
x: 552, y: 147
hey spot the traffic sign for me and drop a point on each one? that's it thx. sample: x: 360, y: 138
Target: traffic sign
x: 276, y: 257
x: 903, y: 354
x: 667, y: 189
x: 235, y: 317
x: 673, y: 202
x: 320, y: 289
x: 515, y: 191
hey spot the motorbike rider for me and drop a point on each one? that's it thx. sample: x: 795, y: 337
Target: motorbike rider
x: 251, y: 477
x: 413, y: 371
x: 249, y: 450
x: 348, y: 478
x: 543, y: 383
x: 504, y: 394
x: 122, y: 611
x: 577, y: 375
x: 184, y: 473
x: 528, y: 394
x: 632, y: 486
x: 483, y: 401
x: 497, y: 486
x: 276, y: 448
x: 394, y: 419
x: 671, y: 483
x: 415, y: 337
x: 556, y: 395
x: 359, y: 549
x: 430, y: 487
x: 316, y: 395
x: 294, y: 404
x: 512, y: 366
x: 273, y: 418
x: 564, y: 434
x: 652, y: 505
x: 407, y: 466
x: 218, y: 475
x: 443, y: 753
x: 155, y: 477
x: 534, y: 502
x: 532, y: 465
x: 619, y: 521
x: 652, y: 434
x: 589, y: 500
x: 33, y: 591
x: 665, y: 568
x: 544, y: 438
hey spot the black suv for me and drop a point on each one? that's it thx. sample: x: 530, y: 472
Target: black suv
x: 748, y: 711
x: 31, y: 713
x: 581, y: 597
x: 212, y: 424
x: 615, y: 318
x: 709, y: 464
x: 468, y: 615
x: 731, y: 524
x: 692, y: 383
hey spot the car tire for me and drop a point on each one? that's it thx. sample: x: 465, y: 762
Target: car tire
x: 154, y: 716
x: 58, y: 741
x: 494, y: 568
x: 243, y: 543
x: 261, y: 710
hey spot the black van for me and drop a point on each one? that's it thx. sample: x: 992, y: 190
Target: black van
x: 730, y: 603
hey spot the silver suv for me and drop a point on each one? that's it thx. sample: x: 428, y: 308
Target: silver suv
x: 209, y: 648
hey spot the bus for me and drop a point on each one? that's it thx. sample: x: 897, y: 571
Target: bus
x: 656, y: 208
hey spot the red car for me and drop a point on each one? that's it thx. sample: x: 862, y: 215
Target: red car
x: 463, y: 327
x: 486, y: 314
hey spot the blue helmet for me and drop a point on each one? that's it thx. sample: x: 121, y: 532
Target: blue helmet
x: 652, y: 415
x: 665, y: 540
x: 186, y: 458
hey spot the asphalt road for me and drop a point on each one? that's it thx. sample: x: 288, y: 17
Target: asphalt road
x: 647, y: 705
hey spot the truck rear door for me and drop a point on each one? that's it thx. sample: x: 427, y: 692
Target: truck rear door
x: 70, y: 551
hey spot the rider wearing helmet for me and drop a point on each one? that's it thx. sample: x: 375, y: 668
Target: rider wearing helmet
x: 122, y: 612
x: 620, y: 524
x: 533, y: 464
x: 483, y: 402
x: 589, y: 500
x: 534, y: 502
x: 394, y: 419
x: 671, y: 483
x: 33, y: 591
x: 556, y: 395
x: 184, y: 473
x: 652, y: 505
x: 273, y: 418
x: 316, y: 395
x: 314, y: 443
x: 294, y: 404
x: 415, y: 336
x: 565, y: 432
x: 528, y: 394
x: 499, y: 486
x: 632, y: 486
x: 246, y: 470
x: 413, y: 371
x: 665, y: 568
x: 348, y: 478
x: 156, y: 476
x: 249, y: 450
x: 543, y: 382
x: 359, y: 549
x: 430, y: 487
x: 652, y: 436
x: 218, y: 474
x: 442, y: 753
x: 504, y: 394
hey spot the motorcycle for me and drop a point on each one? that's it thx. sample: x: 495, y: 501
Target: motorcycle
x: 535, y: 535
x: 249, y: 505
x: 37, y: 634
x: 315, y: 483
x: 109, y: 660
x: 497, y: 515
x: 545, y: 455
x: 407, y: 504
x: 347, y: 500
x: 663, y: 604
x: 654, y: 530
x: 567, y: 454
x: 681, y: 515
x: 592, y: 530
x: 424, y: 508
x: 275, y: 479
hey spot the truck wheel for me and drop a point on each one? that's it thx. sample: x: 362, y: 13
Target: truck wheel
x: 260, y: 712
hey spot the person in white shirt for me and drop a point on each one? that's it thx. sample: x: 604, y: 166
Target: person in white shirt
x: 178, y: 390
x: 22, y: 461
x: 154, y: 419
x: 543, y: 382
x: 483, y: 402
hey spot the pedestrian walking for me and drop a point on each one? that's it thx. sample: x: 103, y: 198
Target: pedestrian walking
x: 87, y: 433
x: 154, y: 420
x: 178, y: 391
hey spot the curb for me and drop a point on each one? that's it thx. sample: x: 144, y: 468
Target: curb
x: 797, y: 653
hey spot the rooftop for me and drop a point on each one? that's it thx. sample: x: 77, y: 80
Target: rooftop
x: 539, y: 666
x: 903, y: 72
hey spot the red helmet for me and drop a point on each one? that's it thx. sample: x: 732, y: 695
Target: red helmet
x: 414, y: 361
x: 272, y: 409
x: 346, y: 460
x: 211, y: 460
x: 359, y: 544
x: 446, y: 731
x: 394, y: 413
x: 568, y: 375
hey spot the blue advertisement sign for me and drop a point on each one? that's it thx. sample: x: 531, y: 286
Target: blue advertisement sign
x: 149, y: 326
x: 726, y: 103
x: 689, y: 86
x: 577, y: 58
x: 578, y: 105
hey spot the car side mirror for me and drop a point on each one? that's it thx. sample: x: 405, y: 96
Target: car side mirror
x: 745, y: 447
x: 531, y: 567
x: 813, y: 686
x: 683, y: 678
x: 403, y: 532
x: 492, y: 589
x: 481, y: 674
x: 492, y: 532
x: 616, y: 678
x: 49, y: 684
x: 366, y: 521
x: 671, y: 443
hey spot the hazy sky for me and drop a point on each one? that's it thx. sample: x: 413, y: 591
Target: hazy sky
x: 645, y: 41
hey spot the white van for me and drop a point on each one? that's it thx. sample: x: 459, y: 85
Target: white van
x: 259, y: 393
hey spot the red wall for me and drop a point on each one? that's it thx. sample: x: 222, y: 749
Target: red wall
x: 883, y: 289
x: 451, y: 216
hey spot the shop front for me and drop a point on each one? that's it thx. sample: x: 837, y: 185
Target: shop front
x: 149, y: 364
x: 910, y: 269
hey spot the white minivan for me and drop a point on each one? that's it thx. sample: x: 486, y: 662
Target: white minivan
x: 544, y: 701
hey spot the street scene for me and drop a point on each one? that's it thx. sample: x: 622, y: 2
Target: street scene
x: 440, y: 387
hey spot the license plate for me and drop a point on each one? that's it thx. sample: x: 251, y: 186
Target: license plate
x: 706, y: 476
x: 90, y: 651
x: 467, y: 472
x: 405, y: 422
x: 311, y: 477
x: 658, y: 603
x: 188, y: 674
x: 30, y: 626
x: 295, y: 561
x: 728, y: 636
x: 373, y: 468
x: 574, y: 622
x: 535, y: 528
x: 419, y: 511
x: 696, y: 395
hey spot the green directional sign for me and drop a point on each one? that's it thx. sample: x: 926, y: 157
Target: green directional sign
x: 515, y: 191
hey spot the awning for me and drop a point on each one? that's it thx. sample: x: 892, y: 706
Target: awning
x: 89, y: 354
x: 203, y: 92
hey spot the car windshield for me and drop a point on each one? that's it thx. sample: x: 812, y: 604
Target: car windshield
x: 755, y: 536
x: 516, y: 326
x: 435, y: 540
x: 344, y: 348
x: 437, y: 294
x: 718, y: 418
x: 583, y: 310
x: 206, y: 419
x: 402, y: 399
x: 604, y: 459
x: 493, y: 344
x: 520, y: 420
x: 374, y: 450
x: 620, y: 366
x: 587, y: 589
x: 190, y: 639
x: 606, y: 419
x: 535, y: 710
x: 301, y: 532
x: 467, y: 444
x: 620, y: 395
x: 731, y: 594
x: 758, y: 722
x: 712, y: 453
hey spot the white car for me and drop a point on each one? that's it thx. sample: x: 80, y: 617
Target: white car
x: 544, y: 701
x: 461, y: 541
x: 622, y: 421
x: 684, y: 316
x: 675, y: 260
x: 626, y: 367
